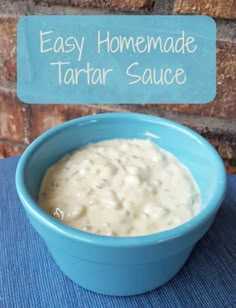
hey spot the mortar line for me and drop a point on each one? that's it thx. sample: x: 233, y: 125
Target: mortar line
x: 13, y: 144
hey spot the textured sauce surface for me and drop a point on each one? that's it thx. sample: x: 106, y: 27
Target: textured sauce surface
x: 120, y: 188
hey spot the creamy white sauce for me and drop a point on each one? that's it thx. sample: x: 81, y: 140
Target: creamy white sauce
x: 120, y: 188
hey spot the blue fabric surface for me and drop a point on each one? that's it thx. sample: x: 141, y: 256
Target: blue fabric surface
x: 30, y: 278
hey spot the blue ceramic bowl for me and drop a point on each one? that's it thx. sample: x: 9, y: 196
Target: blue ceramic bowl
x: 111, y: 265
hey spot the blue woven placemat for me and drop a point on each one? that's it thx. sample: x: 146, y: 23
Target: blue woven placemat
x: 30, y: 278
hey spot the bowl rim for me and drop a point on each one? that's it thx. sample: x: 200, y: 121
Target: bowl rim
x: 33, y: 209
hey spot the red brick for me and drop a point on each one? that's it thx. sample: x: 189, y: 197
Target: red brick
x: 8, y: 48
x: 10, y: 150
x: 229, y: 168
x: 2, y: 152
x: 76, y: 111
x: 44, y: 117
x: 13, y: 118
x: 116, y: 4
x: 132, y: 4
x: 214, y: 8
x: 224, y: 105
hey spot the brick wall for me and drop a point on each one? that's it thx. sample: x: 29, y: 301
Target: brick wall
x: 20, y: 123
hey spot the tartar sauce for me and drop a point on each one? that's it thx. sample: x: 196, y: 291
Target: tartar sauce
x: 120, y: 187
